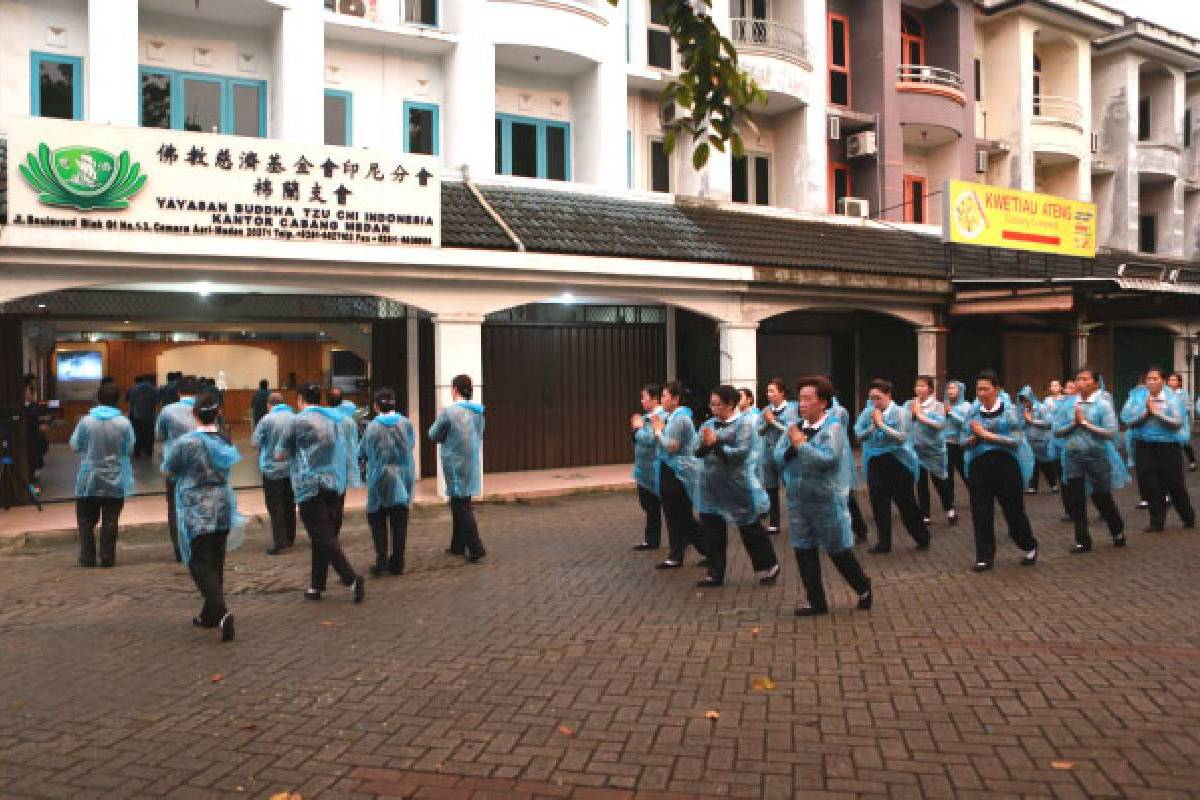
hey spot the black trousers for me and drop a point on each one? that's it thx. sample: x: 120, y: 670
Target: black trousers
x: 173, y: 520
x: 773, y: 514
x: 106, y: 511
x: 858, y: 523
x: 889, y: 482
x: 281, y: 507
x: 1104, y: 504
x: 319, y: 514
x: 380, y: 520
x: 682, y: 527
x: 945, y: 490
x: 956, y: 458
x: 1190, y: 453
x: 464, y: 533
x: 143, y: 437
x: 1050, y: 469
x: 996, y: 479
x: 1160, y: 474
x: 754, y: 538
x: 809, y: 563
x: 208, y: 572
x: 653, y: 508
x: 339, y: 511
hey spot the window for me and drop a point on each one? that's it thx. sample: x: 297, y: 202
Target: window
x: 839, y: 184
x: 978, y: 80
x: 1037, y: 85
x: 338, y: 127
x: 660, y: 51
x: 533, y: 148
x: 1143, y: 119
x: 1187, y: 127
x: 750, y: 16
x: 752, y: 179
x: 211, y: 103
x: 421, y: 12
x: 56, y: 86
x: 660, y: 167
x: 421, y: 128
x: 912, y: 39
x: 914, y: 199
x: 839, y: 60
x: 1147, y: 235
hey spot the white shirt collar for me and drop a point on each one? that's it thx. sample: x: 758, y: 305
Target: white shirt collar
x: 994, y: 408
x: 207, y: 429
x: 734, y: 418
x: 819, y: 423
x: 1092, y: 398
x: 779, y: 409
x: 928, y: 402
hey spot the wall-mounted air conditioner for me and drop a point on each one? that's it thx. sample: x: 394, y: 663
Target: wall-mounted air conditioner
x: 854, y: 207
x: 981, y: 161
x: 1095, y: 142
x: 861, y: 144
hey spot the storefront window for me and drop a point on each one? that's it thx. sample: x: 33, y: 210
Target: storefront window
x: 421, y: 128
x: 533, y: 148
x: 56, y: 86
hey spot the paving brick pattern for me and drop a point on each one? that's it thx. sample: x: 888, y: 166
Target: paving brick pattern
x: 565, y: 666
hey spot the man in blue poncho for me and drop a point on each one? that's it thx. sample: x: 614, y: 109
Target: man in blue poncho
x: 928, y: 437
x: 175, y: 420
x: 1175, y: 384
x: 645, y: 465
x: 954, y: 399
x: 277, y: 480
x: 209, y: 523
x: 349, y: 436
x: 775, y: 419
x: 890, y: 466
x: 386, y: 447
x: 104, y: 440
x: 675, y: 438
x: 1157, y: 420
x: 818, y: 470
x: 316, y: 455
x: 730, y: 492
x: 1086, y: 432
x: 459, y: 430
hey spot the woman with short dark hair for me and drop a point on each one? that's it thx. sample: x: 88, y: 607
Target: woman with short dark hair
x: 459, y: 431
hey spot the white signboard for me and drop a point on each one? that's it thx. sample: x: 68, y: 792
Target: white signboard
x: 104, y: 178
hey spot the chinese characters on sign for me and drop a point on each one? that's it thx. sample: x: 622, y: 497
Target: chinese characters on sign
x: 994, y: 216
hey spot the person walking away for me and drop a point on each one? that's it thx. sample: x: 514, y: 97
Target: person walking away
x: 730, y: 492
x: 928, y: 432
x: 858, y: 523
x: 175, y: 420
x: 774, y: 420
x: 890, y: 466
x: 37, y: 444
x: 209, y: 522
x: 316, y: 458
x: 1156, y: 420
x: 817, y: 468
x: 1038, y: 424
x: 1175, y: 384
x: 459, y: 431
x: 260, y: 403
x: 998, y: 463
x: 143, y: 409
x: 277, y: 480
x: 348, y: 441
x: 645, y: 465
x: 387, y: 448
x: 104, y: 440
x: 678, y: 475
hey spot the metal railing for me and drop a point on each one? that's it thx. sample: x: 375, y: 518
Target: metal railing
x: 934, y: 76
x: 1058, y: 109
x: 769, y: 35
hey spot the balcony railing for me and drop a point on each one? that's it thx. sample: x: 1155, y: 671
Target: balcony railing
x: 1052, y: 108
x: 933, y: 76
x: 766, y: 34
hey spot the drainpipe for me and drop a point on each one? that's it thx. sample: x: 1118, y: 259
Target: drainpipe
x: 491, y: 212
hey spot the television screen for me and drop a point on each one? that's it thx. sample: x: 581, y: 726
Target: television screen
x: 80, y: 365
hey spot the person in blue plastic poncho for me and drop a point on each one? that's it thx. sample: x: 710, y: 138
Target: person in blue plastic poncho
x: 348, y: 435
x: 954, y: 400
x: 386, y: 447
x: 277, y: 482
x: 1085, y: 432
x: 316, y: 454
x: 645, y: 465
x: 998, y: 464
x: 1157, y: 420
x: 104, y: 440
x: 730, y: 492
x: 928, y: 437
x: 1066, y: 400
x: 746, y: 401
x: 890, y: 466
x: 209, y: 523
x: 175, y: 420
x: 678, y: 475
x: 459, y: 430
x: 774, y: 419
x: 1175, y: 384
x: 1039, y: 418
x: 858, y: 523
x: 818, y: 470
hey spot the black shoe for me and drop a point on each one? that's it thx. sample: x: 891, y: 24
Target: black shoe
x: 1053, y: 490
x: 771, y: 576
x: 312, y: 594
x: 1031, y: 491
x: 771, y: 530
x: 927, y: 520
x: 275, y: 551
x: 811, y: 611
x: 395, y: 568
x: 1030, y: 558
x: 951, y: 517
x: 668, y: 564
x: 377, y: 570
x: 477, y: 557
x: 865, y: 600
x: 708, y: 582
x: 1066, y: 518
x: 1119, y: 540
x: 1192, y: 467
x: 226, y: 626
x: 450, y: 551
x: 359, y: 588
x: 1143, y: 504
x: 981, y: 566
x: 198, y: 622
x: 1078, y: 548
x: 878, y: 549
x: 645, y: 546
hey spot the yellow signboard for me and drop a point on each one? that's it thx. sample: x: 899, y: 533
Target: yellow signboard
x: 993, y: 216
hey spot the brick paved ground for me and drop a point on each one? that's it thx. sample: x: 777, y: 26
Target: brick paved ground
x: 565, y: 666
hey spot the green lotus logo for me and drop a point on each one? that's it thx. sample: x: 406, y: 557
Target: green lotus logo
x: 86, y: 178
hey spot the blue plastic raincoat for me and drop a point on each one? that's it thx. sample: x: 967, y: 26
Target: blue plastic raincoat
x: 1080, y: 447
x: 729, y: 484
x: 349, y: 435
x: 204, y: 501
x: 175, y: 420
x: 893, y: 439
x: 645, y: 452
x: 459, y: 430
x: 928, y: 439
x: 680, y: 433
x: 387, y: 446
x: 956, y: 431
x: 769, y: 434
x: 266, y: 438
x: 1010, y: 426
x: 818, y: 476
x: 315, y: 452
x: 842, y: 414
x: 104, y: 439
x: 1037, y: 429
x: 1154, y: 428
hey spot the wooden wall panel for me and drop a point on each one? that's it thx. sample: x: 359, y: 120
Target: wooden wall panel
x: 1032, y: 358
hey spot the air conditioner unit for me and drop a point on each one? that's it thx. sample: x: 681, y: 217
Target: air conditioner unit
x: 353, y: 8
x: 835, y: 128
x: 667, y: 114
x: 1095, y: 143
x: 981, y: 161
x: 861, y: 144
x: 854, y: 207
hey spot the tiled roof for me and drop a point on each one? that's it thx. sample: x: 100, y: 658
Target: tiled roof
x: 465, y: 223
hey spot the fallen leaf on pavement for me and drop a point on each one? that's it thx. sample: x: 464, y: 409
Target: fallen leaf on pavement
x: 756, y: 631
x: 713, y: 714
x: 217, y: 677
x: 1062, y: 764
x: 328, y: 623
x: 566, y: 730
x: 762, y: 684
x: 287, y: 796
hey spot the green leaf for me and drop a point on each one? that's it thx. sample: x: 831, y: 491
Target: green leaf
x: 700, y: 155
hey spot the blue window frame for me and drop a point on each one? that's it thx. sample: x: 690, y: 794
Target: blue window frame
x: 533, y: 148
x: 195, y: 101
x: 422, y: 129
x: 55, y: 86
x: 339, y: 117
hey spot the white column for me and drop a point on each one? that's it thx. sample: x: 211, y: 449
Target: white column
x: 112, y: 62
x: 412, y: 365
x: 931, y: 352
x: 297, y: 85
x: 1183, y: 360
x: 1077, y: 349
x: 457, y: 350
x: 672, y: 338
x: 469, y: 123
x: 739, y: 354
x: 601, y: 119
